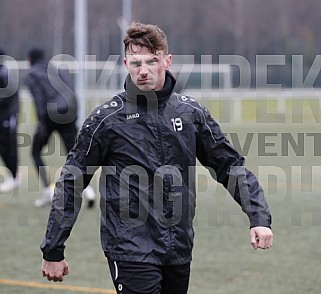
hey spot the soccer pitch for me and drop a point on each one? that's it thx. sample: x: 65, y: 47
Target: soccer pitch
x: 285, y: 157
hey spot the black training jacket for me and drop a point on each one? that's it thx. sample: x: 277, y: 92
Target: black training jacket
x: 147, y: 144
x: 9, y: 98
x: 52, y: 93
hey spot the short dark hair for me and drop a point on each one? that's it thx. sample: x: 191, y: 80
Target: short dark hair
x: 35, y: 55
x: 145, y: 35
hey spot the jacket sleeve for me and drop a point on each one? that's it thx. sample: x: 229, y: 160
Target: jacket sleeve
x: 227, y: 166
x: 7, y: 89
x: 82, y: 161
x: 37, y: 95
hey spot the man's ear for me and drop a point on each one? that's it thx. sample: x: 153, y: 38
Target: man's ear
x: 125, y: 61
x: 168, y: 60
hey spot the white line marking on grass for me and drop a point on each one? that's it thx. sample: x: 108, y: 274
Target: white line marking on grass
x: 55, y: 286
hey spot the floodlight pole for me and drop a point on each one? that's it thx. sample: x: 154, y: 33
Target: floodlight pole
x: 81, y: 32
x: 123, y: 23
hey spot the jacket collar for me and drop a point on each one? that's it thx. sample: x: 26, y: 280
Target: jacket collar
x: 134, y: 94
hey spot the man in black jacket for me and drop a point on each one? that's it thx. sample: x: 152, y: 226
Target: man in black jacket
x: 9, y: 106
x: 147, y: 140
x: 56, y: 108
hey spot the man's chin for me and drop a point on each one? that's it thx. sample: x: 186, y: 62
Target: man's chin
x: 145, y: 87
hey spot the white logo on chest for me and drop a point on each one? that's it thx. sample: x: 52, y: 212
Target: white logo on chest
x: 133, y: 115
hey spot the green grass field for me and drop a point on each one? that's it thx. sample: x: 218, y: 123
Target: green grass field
x: 223, y: 260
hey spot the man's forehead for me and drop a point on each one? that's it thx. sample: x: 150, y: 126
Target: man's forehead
x: 143, y: 52
x: 140, y: 56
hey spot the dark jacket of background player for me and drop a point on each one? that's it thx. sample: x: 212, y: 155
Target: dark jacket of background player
x: 9, y: 108
x: 56, y: 106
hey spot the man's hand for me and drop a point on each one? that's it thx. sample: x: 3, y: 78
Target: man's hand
x: 54, y: 271
x: 261, y: 237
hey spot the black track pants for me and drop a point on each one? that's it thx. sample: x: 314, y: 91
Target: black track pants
x: 141, y: 278
x: 8, y: 144
x: 67, y: 132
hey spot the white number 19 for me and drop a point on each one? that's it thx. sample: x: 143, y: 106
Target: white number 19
x: 177, y: 124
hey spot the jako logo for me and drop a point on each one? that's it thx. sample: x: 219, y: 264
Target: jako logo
x: 133, y: 115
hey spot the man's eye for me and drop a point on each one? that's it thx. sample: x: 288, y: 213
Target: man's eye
x: 135, y: 64
x: 152, y: 61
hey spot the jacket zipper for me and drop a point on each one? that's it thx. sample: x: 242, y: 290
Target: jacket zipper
x: 160, y: 144
x: 160, y: 137
x: 169, y: 230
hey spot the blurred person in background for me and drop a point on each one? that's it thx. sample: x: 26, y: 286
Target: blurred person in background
x: 147, y: 140
x: 9, y: 108
x: 56, y: 108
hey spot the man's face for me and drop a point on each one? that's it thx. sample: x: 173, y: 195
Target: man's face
x: 147, y: 70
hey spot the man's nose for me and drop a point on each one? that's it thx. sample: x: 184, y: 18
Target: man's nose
x: 143, y: 69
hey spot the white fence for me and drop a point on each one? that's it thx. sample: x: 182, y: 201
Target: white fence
x: 109, y: 76
x: 202, y: 81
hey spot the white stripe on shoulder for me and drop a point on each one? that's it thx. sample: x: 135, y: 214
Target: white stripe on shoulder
x: 116, y: 270
x: 184, y: 100
x: 109, y: 115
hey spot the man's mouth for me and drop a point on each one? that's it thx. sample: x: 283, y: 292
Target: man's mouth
x: 142, y: 81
